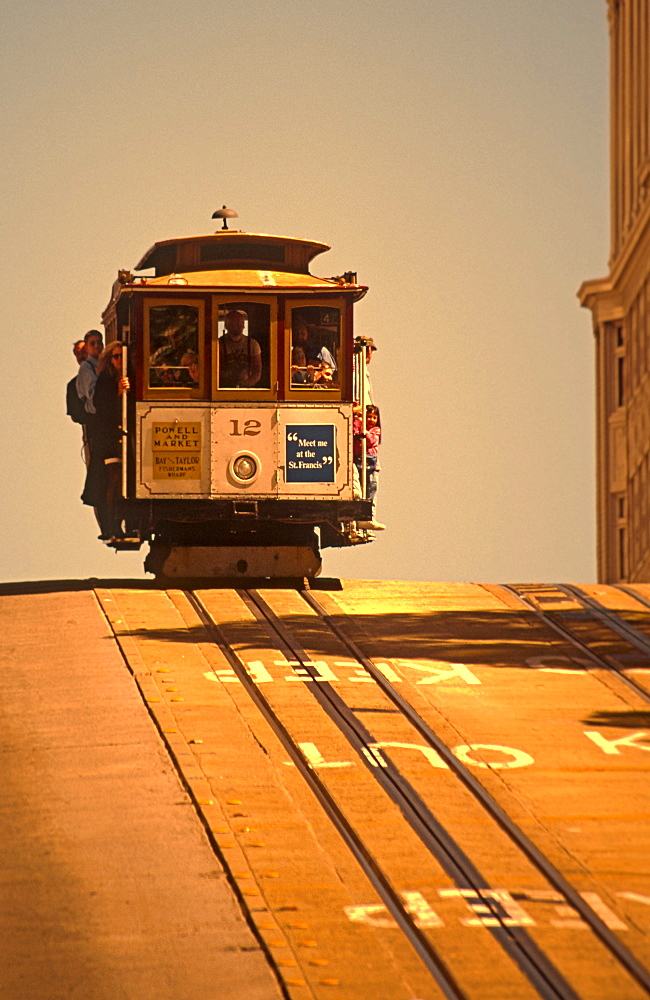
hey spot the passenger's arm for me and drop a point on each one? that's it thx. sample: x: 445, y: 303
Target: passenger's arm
x: 255, y: 367
x: 85, y: 387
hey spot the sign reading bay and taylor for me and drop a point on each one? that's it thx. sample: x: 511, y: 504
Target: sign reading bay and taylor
x: 176, y: 450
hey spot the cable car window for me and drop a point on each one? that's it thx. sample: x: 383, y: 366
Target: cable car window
x: 174, y: 347
x: 315, y: 347
x: 244, y: 332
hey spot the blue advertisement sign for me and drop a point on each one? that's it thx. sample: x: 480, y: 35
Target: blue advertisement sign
x: 311, y: 456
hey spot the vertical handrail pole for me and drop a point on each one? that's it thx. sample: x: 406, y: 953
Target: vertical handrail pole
x: 125, y: 443
x: 364, y: 403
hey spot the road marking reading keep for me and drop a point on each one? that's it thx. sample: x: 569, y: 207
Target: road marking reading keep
x: 491, y: 907
x: 612, y: 746
x: 440, y: 670
x: 320, y: 671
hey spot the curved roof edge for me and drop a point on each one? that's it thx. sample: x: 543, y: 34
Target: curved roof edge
x: 231, y: 248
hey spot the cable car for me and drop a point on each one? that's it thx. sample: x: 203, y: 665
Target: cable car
x: 237, y: 454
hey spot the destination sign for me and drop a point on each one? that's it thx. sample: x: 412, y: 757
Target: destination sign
x: 176, y: 450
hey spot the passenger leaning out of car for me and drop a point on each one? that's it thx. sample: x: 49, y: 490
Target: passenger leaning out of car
x: 87, y: 375
x: 372, y: 438
x: 109, y: 389
x: 74, y: 406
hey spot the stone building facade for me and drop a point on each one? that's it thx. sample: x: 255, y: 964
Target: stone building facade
x: 620, y: 306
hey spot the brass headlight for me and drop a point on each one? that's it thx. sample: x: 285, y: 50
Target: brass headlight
x: 244, y: 468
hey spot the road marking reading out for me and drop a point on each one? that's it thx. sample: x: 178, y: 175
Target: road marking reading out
x: 372, y: 753
x: 519, y: 758
x: 432, y: 755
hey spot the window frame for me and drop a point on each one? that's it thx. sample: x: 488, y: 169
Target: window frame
x: 337, y: 393
x: 249, y: 393
x: 168, y: 393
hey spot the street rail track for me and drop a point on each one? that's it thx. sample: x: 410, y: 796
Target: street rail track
x: 517, y: 943
x: 592, y: 610
x: 550, y: 872
x: 438, y: 969
x: 545, y: 977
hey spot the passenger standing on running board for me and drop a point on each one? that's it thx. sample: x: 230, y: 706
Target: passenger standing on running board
x: 372, y: 437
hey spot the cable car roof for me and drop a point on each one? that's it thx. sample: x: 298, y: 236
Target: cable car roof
x: 228, y: 260
x: 251, y: 279
x: 229, y: 248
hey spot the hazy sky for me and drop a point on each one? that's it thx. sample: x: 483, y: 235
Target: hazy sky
x: 452, y: 152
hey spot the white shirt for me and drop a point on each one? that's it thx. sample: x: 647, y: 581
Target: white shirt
x: 86, y: 379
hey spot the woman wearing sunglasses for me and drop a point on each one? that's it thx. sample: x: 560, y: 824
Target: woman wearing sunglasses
x: 110, y: 387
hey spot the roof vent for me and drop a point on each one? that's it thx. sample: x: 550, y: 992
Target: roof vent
x: 225, y: 213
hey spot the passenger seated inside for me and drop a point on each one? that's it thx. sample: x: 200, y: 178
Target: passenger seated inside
x: 173, y: 333
x: 190, y: 367
x: 309, y: 335
x: 240, y: 356
x: 323, y: 376
x: 170, y: 378
x: 299, y: 373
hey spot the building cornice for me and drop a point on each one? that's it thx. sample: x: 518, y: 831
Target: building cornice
x: 602, y: 298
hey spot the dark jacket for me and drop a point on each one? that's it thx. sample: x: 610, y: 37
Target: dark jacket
x: 108, y: 407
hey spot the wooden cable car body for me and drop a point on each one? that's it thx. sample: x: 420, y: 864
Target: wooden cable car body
x: 221, y: 477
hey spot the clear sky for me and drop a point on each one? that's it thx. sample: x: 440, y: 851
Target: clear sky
x: 452, y: 152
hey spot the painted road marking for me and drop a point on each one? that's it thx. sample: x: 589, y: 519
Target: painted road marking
x: 491, y: 907
x: 316, y: 759
x: 301, y: 673
x: 373, y: 755
x: 367, y: 914
x: 508, y: 911
x: 417, y: 905
x: 606, y: 915
x: 520, y: 759
x: 440, y: 670
x: 432, y: 755
x: 611, y: 746
x: 389, y: 673
x: 258, y: 672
